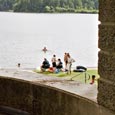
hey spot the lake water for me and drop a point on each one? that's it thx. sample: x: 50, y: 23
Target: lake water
x: 23, y: 35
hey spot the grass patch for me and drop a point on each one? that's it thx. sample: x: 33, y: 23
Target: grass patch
x: 76, y: 76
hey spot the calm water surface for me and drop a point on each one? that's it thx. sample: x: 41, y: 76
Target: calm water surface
x: 22, y: 36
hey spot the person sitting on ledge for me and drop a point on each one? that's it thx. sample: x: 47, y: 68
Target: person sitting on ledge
x: 45, y: 65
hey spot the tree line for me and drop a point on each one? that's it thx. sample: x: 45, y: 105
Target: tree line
x: 50, y: 6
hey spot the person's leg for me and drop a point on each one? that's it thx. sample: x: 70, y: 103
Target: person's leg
x: 70, y: 68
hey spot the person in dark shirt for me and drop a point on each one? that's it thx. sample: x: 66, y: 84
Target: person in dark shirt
x: 59, y: 64
x: 45, y: 64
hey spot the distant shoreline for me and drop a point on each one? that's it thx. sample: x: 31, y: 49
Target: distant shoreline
x: 96, y: 12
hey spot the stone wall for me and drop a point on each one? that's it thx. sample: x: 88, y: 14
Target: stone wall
x: 16, y: 93
x: 38, y: 99
x: 106, y: 63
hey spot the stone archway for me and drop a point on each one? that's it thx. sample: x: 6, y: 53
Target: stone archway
x: 106, y: 62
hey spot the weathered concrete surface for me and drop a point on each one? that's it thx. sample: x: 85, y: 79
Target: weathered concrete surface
x: 85, y: 90
x: 43, y: 95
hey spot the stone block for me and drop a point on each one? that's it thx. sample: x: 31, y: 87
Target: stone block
x: 107, y: 37
x: 106, y: 94
x: 106, y: 65
x: 107, y: 10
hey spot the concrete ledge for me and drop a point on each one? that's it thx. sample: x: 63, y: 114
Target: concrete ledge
x: 39, y: 98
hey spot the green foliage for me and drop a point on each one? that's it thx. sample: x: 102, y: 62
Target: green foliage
x: 50, y: 6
